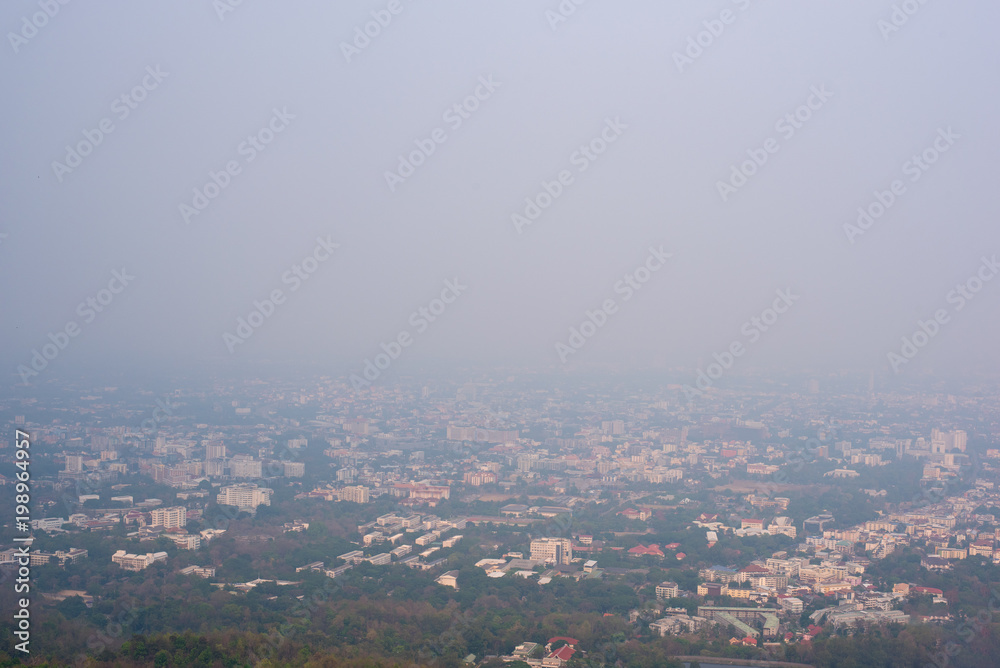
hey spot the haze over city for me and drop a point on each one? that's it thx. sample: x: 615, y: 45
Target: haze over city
x: 549, y: 334
x: 348, y: 115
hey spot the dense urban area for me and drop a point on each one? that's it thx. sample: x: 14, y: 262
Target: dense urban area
x: 512, y: 519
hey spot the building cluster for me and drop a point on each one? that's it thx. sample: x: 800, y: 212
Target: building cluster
x: 539, y: 454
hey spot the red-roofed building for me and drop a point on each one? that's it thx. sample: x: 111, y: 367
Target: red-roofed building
x: 558, y: 657
x: 640, y: 550
x: 751, y: 571
x: 671, y: 546
x: 750, y: 523
x: 927, y: 590
x: 680, y: 555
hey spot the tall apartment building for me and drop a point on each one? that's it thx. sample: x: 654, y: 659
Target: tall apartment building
x: 245, y: 496
x: 948, y: 441
x: 214, y: 467
x: 552, y: 550
x: 479, y: 478
x: 957, y: 440
x: 74, y: 463
x: 667, y: 590
x: 169, y: 518
x: 294, y: 469
x: 359, y: 494
x: 613, y: 427
x: 244, y: 466
x: 215, y: 451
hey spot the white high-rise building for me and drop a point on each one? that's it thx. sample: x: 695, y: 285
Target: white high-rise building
x: 169, y: 518
x: 948, y: 441
x: 957, y: 440
x: 245, y: 496
x: 613, y: 427
x: 359, y: 494
x: 552, y: 550
x: 214, y: 467
x: 215, y: 451
x: 243, y: 466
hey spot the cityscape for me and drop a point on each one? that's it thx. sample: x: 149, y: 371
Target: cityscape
x: 523, y: 334
x: 744, y: 524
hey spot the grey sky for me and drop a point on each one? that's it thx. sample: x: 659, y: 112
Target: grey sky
x: 323, y: 175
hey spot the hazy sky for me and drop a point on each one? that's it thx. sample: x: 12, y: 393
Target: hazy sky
x: 663, y: 120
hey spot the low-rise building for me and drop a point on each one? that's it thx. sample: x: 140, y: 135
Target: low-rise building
x: 137, y: 562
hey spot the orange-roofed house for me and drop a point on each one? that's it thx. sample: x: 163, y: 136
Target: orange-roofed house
x: 640, y: 550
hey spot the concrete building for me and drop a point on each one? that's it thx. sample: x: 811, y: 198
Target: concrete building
x: 449, y: 579
x: 294, y: 469
x: 667, y: 590
x: 215, y: 451
x: 244, y: 466
x: 358, y: 494
x: 137, y: 562
x: 552, y: 550
x: 174, y: 517
x: 246, y: 495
